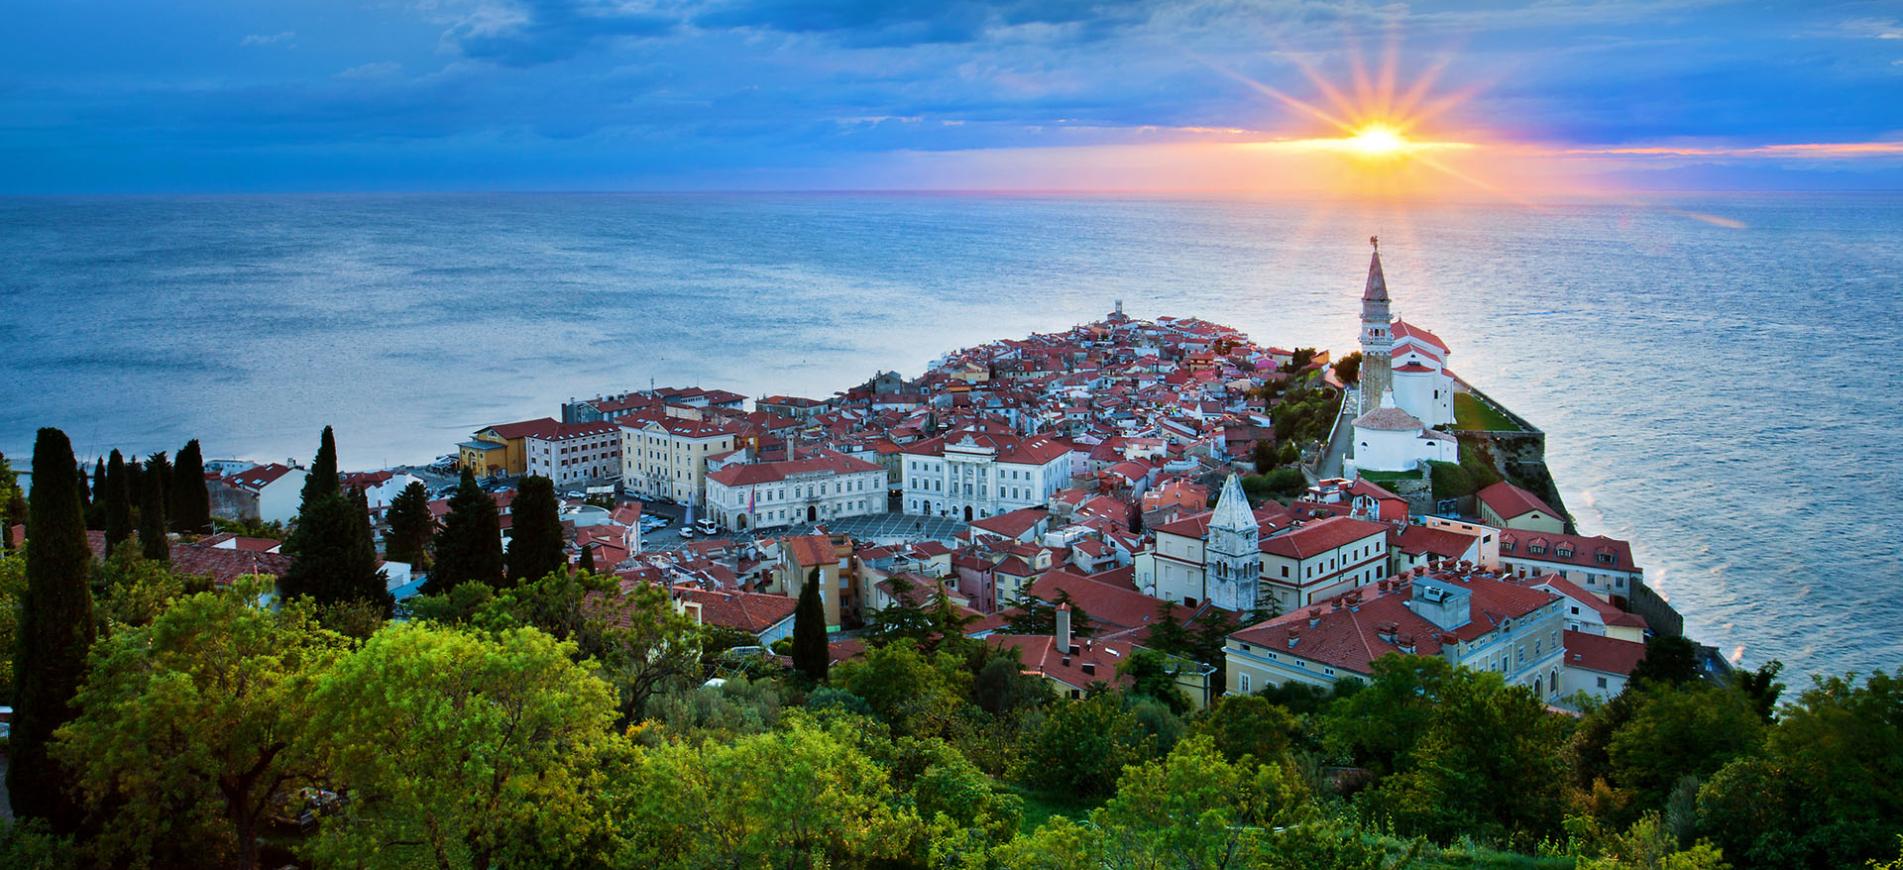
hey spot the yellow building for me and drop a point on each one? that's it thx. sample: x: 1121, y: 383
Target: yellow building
x: 665, y: 457
x: 499, y: 450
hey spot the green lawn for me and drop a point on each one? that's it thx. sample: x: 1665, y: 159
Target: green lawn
x: 1471, y: 413
x: 1040, y: 806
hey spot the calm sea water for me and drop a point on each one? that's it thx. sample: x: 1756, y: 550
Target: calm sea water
x: 1718, y: 377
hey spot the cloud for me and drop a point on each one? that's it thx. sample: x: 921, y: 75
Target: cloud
x: 280, y: 38
x: 374, y: 70
x: 895, y: 23
x: 533, y: 32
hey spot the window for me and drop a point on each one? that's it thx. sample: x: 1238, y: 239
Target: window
x: 1242, y: 681
x: 1602, y: 682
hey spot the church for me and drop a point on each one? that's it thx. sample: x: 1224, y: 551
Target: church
x: 1406, y: 389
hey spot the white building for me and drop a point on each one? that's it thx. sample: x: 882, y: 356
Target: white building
x: 572, y: 454
x: 823, y: 486
x: 975, y: 473
x: 267, y: 493
x: 1390, y: 439
x: 1398, y: 356
x: 665, y: 457
x: 1315, y: 561
x: 1214, y: 557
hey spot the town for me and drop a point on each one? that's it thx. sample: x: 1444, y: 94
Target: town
x: 1327, y: 611
x: 1328, y: 511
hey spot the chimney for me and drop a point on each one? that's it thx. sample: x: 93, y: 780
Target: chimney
x: 1294, y: 637
x: 1314, y: 616
x: 1063, y: 629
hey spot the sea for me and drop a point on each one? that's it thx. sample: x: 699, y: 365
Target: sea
x: 1717, y: 375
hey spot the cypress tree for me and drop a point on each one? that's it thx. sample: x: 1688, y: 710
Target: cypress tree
x: 470, y: 545
x: 55, y: 630
x: 410, y: 527
x: 535, y: 548
x: 809, y: 631
x: 323, y: 475
x: 333, y: 558
x: 152, y: 540
x: 12, y: 504
x: 118, y: 519
x: 191, y: 499
x: 96, y: 510
x: 135, y: 481
x: 588, y: 559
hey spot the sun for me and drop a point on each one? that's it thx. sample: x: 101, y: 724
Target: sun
x: 1376, y: 140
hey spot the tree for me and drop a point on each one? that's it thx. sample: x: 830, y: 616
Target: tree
x: 191, y: 730
x: 1668, y: 659
x: 809, y: 632
x: 1250, y: 726
x: 461, y: 749
x: 1196, y: 809
x: 410, y: 527
x: 801, y: 796
x: 152, y: 540
x: 1263, y: 456
x: 118, y: 502
x: 469, y: 547
x: 1082, y: 746
x: 1153, y: 675
x: 332, y: 558
x: 190, y: 498
x: 587, y: 560
x: 322, y: 479
x: 55, y: 631
x: 1037, y: 616
x: 1001, y: 687
x: 1691, y: 730
x: 13, y: 504
x: 912, y: 692
x: 644, y: 645
x: 1348, y: 368
x: 535, y: 545
x: 96, y: 511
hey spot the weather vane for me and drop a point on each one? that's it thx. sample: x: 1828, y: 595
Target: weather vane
x: 1376, y: 242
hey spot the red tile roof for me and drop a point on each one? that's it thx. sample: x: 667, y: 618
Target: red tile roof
x: 1111, y: 608
x: 1510, y: 501
x: 1040, y: 655
x: 1425, y: 541
x: 1309, y: 539
x: 1585, y: 551
x: 523, y: 429
x: 823, y: 462
x: 751, y: 612
x: 1604, y: 654
x: 222, y: 566
x: 1013, y: 523
x: 1608, y: 614
x: 810, y: 550
x: 1350, y: 638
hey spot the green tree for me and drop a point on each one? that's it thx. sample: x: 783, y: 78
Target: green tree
x: 190, y: 498
x: 153, y: 542
x: 1690, y: 730
x: 1827, y: 788
x: 469, y: 547
x: 133, y: 590
x: 461, y: 750
x: 1001, y: 687
x: 1250, y: 726
x: 1668, y: 659
x: 536, y: 548
x: 1348, y: 368
x: 96, y: 511
x: 810, y: 657
x: 587, y: 560
x: 192, y: 730
x: 12, y: 591
x: 411, y: 527
x: 912, y: 692
x: 13, y: 503
x: 802, y: 796
x: 1038, y: 616
x: 322, y: 480
x: 1082, y: 746
x: 643, y: 644
x: 332, y: 558
x: 118, y: 510
x: 55, y: 631
x: 1153, y: 675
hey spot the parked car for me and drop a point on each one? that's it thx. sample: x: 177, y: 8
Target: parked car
x: 687, y: 532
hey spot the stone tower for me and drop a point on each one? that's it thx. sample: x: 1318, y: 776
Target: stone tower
x: 1232, y: 558
x: 1377, y: 341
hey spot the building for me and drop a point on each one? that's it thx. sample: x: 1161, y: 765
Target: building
x: 1586, y: 613
x: 822, y: 486
x: 830, y: 562
x: 983, y: 471
x: 1309, y: 562
x: 1377, y: 340
x: 574, y: 454
x: 1506, y: 506
x: 767, y: 617
x: 1390, y: 439
x: 1597, y: 665
x: 1200, y: 559
x: 1425, y: 546
x: 793, y: 407
x: 665, y: 457
x: 1601, y: 565
x: 1489, y: 536
x: 1475, y: 620
x: 267, y: 493
x: 501, y: 450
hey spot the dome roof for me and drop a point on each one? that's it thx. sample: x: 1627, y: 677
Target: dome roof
x: 1389, y: 419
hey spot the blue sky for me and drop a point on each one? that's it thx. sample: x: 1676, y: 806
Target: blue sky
x: 292, y: 95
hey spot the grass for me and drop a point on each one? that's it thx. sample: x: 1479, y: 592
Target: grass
x: 1471, y: 413
x: 1383, y: 478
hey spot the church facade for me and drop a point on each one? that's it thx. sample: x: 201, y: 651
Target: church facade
x: 1406, y: 389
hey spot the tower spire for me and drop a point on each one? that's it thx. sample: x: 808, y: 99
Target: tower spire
x: 1377, y: 288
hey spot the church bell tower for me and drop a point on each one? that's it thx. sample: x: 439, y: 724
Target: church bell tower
x: 1377, y: 339
x: 1231, y: 552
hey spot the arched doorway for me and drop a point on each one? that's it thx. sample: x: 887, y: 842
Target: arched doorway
x: 812, y: 513
x: 740, y: 523
x: 967, y: 513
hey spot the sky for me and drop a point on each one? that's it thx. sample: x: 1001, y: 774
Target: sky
x: 1497, y: 99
